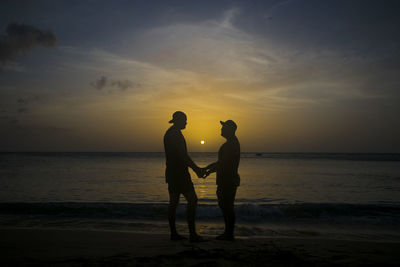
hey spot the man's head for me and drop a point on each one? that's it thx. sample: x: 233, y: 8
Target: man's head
x: 179, y: 119
x: 228, y: 128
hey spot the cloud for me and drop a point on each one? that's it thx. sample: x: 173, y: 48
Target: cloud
x: 123, y: 85
x: 280, y: 72
x: 228, y: 18
x: 239, y: 67
x: 27, y: 100
x: 100, y: 83
x: 21, y: 38
x: 26, y: 104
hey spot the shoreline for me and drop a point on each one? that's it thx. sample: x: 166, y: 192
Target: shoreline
x: 66, y: 247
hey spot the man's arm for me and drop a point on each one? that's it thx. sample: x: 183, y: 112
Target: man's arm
x: 189, y: 162
x: 213, y: 167
x: 184, y: 157
x: 176, y: 144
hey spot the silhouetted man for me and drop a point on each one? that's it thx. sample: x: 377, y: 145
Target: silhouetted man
x: 178, y: 177
x: 228, y: 178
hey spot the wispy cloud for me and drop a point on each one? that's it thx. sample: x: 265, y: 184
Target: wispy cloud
x: 100, y: 83
x: 216, y: 57
x: 228, y: 17
x: 123, y: 85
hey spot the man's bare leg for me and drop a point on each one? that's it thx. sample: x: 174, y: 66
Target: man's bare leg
x: 191, y: 199
x: 173, y: 203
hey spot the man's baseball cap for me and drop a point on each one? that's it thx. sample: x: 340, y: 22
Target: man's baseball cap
x: 229, y: 123
x: 178, y: 115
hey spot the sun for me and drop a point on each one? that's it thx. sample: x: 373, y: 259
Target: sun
x: 202, y: 142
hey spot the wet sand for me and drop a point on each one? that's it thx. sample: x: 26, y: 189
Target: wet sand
x: 43, y: 247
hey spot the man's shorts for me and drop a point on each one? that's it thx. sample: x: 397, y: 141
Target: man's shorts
x: 226, y: 195
x: 180, y: 187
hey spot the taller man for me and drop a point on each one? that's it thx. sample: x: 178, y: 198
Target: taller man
x: 178, y: 177
x: 228, y: 178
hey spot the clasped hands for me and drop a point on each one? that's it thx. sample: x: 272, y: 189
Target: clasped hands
x: 203, y: 172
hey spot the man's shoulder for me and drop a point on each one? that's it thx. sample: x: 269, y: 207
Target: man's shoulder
x: 231, y: 146
x: 234, y: 142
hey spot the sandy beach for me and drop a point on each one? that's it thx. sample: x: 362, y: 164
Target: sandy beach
x: 85, y: 247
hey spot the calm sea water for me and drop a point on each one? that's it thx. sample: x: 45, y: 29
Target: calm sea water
x: 283, y: 187
x: 139, y: 178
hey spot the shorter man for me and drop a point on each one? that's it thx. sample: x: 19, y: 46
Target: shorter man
x: 228, y: 178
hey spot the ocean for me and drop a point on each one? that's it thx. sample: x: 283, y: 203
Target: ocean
x: 353, y: 196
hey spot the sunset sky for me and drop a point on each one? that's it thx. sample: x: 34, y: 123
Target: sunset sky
x: 295, y: 75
